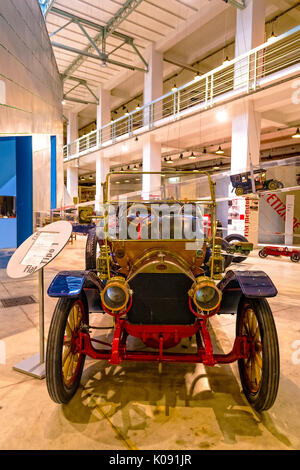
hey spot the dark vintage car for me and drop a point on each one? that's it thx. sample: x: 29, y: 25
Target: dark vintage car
x: 154, y: 267
x: 242, y: 182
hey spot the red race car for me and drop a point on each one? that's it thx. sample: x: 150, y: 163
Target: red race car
x: 292, y: 253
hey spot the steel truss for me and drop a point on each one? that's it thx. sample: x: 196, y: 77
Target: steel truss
x: 80, y: 82
x: 241, y: 4
x: 98, y: 43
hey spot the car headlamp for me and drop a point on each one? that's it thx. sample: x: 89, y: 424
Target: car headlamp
x: 115, y: 294
x: 206, y: 296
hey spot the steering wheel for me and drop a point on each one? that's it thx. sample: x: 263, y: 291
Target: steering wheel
x: 136, y: 218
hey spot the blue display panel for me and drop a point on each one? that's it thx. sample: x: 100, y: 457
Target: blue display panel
x: 53, y: 172
x: 24, y: 188
x: 16, y: 214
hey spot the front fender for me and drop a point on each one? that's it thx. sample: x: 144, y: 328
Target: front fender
x: 252, y: 284
x: 71, y: 283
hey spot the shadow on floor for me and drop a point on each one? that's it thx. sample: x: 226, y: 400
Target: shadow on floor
x: 134, y: 397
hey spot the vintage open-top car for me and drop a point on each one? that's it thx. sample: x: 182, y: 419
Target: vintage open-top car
x: 242, y: 182
x: 155, y: 268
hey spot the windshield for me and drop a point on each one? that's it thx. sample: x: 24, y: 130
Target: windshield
x: 169, y: 212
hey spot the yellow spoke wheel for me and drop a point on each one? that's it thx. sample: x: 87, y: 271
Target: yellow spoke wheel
x: 64, y: 362
x: 259, y: 372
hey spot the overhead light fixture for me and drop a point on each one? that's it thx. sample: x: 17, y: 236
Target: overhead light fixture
x: 204, y: 150
x: 126, y: 112
x: 91, y: 177
x: 140, y: 165
x: 135, y: 168
x: 137, y: 107
x: 174, y: 87
x: 127, y: 181
x: 181, y: 156
x: 82, y: 177
x: 137, y: 179
x: 63, y: 102
x: 272, y: 37
x: 219, y: 151
x: 226, y: 60
x: 197, y: 76
x: 103, y: 63
x: 297, y: 135
x: 170, y: 160
x: 128, y: 168
x: 117, y: 182
x: 222, y: 116
x: 192, y: 156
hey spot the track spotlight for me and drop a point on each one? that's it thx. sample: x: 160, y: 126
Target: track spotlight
x: 192, y: 156
x: 297, y: 135
x: 219, y: 151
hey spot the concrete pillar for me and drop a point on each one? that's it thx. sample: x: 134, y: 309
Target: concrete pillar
x: 72, y: 127
x: 221, y: 189
x: 72, y: 181
x: 103, y: 115
x: 102, y: 168
x: 103, y: 108
x: 153, y: 84
x: 250, y: 26
x: 246, y: 123
x: 151, y: 162
x: 245, y: 148
x: 102, y: 164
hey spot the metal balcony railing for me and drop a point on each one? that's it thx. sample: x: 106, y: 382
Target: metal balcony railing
x: 242, y: 75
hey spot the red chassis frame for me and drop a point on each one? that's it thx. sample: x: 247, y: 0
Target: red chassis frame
x: 118, y: 353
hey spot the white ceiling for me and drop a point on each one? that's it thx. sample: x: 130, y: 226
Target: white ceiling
x: 185, y: 31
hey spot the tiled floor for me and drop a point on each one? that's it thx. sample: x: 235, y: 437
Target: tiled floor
x: 131, y: 406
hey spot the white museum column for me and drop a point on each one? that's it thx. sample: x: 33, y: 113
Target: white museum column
x: 102, y: 168
x: 153, y: 89
x: 151, y: 162
x: 72, y: 127
x: 102, y: 164
x: 103, y: 108
x: 72, y: 181
x: 250, y: 32
x: 72, y: 171
x: 153, y: 82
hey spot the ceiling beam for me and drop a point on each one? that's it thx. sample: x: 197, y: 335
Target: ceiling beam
x: 241, y: 4
x: 100, y: 38
x: 121, y: 15
x: 94, y: 56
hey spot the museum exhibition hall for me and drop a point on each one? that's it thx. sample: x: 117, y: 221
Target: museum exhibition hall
x: 149, y: 227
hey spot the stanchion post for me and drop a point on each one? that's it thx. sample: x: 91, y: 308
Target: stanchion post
x: 41, y: 315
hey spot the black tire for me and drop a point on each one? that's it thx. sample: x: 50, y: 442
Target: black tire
x: 58, y: 389
x: 272, y: 185
x: 239, y: 191
x: 91, y: 247
x: 262, y: 253
x: 295, y: 258
x: 236, y: 238
x: 261, y: 395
